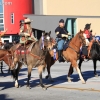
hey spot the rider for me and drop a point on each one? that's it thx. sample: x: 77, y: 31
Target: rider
x: 61, y: 36
x: 26, y: 32
x: 89, y: 37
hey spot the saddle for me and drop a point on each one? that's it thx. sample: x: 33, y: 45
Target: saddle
x: 66, y: 44
x: 23, y: 49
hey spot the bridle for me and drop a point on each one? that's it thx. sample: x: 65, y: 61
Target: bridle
x: 80, y: 37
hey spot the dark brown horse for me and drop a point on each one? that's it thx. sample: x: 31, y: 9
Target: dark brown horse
x: 35, y: 58
x: 6, y: 56
x: 71, y: 54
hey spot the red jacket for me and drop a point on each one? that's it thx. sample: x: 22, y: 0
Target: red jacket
x: 87, y: 32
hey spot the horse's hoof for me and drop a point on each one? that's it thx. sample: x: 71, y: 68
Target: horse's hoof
x: 69, y: 81
x: 17, y: 85
x: 46, y: 77
x: 83, y: 82
x: 28, y: 87
x: 96, y: 75
x: 44, y: 88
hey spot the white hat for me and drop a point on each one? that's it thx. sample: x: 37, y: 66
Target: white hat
x: 27, y: 20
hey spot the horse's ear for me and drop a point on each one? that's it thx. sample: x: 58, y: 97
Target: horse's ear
x: 80, y: 30
x: 49, y: 33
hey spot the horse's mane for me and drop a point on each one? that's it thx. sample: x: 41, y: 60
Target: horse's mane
x: 75, y: 37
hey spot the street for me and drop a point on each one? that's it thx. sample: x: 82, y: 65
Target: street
x: 60, y: 89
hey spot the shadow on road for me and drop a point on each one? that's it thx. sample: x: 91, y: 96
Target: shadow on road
x: 4, y: 97
x: 62, y: 79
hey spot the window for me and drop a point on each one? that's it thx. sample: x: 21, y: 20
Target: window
x: 1, y: 15
x: 12, y: 18
x: 70, y: 25
x: 1, y: 20
x: 1, y: 27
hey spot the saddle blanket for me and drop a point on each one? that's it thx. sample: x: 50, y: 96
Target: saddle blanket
x: 19, y: 52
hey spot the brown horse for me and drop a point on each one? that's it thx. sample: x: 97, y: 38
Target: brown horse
x: 70, y: 54
x: 6, y: 56
x: 35, y: 58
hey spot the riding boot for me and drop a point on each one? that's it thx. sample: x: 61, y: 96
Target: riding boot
x: 60, y: 56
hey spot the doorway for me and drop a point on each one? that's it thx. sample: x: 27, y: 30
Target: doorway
x: 70, y: 25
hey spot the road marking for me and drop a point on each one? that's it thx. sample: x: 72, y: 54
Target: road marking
x: 80, y: 89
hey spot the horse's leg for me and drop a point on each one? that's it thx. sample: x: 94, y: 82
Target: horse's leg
x: 40, y: 70
x: 17, y: 72
x: 74, y: 64
x: 80, y: 63
x: 49, y: 74
x: 70, y: 72
x: 1, y: 67
x: 49, y: 64
x: 29, y: 76
x: 94, y: 63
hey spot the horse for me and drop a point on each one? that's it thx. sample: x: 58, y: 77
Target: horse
x: 7, y: 46
x: 6, y: 56
x: 94, y: 54
x: 71, y: 54
x: 34, y: 58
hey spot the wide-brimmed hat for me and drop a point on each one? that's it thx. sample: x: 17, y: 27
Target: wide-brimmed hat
x: 27, y: 20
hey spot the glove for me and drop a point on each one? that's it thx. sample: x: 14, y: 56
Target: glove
x: 64, y: 35
x: 69, y: 34
x: 22, y: 34
x: 26, y: 34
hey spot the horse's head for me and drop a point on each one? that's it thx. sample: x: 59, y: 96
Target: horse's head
x: 82, y: 38
x: 46, y: 40
x: 8, y: 58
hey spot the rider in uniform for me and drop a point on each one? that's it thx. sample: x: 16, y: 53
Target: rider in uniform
x: 61, y: 36
x: 26, y: 32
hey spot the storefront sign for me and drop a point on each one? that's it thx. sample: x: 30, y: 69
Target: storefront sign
x: 5, y: 3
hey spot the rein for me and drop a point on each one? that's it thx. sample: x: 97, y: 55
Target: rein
x: 42, y: 57
x: 76, y: 46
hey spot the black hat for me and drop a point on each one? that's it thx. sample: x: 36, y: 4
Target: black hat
x: 87, y: 26
x: 61, y: 21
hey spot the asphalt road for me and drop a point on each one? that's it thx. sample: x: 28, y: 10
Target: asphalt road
x: 60, y: 89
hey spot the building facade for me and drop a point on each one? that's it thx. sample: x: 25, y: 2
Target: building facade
x: 11, y: 12
x: 76, y: 14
